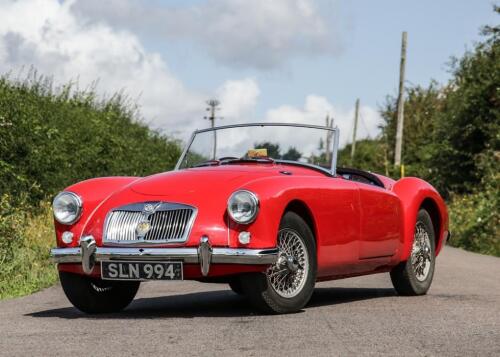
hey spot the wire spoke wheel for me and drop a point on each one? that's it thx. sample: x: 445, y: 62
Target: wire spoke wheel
x: 421, y: 254
x: 288, y: 276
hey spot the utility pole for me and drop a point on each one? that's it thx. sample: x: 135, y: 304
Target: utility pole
x: 399, y: 130
x: 328, y: 143
x: 213, y: 106
x: 356, y: 115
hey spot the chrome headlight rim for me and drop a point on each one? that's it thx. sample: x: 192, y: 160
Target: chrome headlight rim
x: 78, y: 203
x: 255, y: 200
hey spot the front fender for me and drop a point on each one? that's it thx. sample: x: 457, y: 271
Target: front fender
x: 274, y: 193
x: 414, y: 193
x: 92, y: 192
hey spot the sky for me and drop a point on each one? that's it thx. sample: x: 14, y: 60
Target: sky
x: 280, y: 60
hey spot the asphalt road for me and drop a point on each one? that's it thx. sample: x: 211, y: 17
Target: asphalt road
x: 358, y: 316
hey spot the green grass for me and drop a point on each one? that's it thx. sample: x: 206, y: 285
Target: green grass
x: 26, y: 267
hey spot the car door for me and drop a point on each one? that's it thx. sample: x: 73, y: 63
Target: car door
x: 380, y: 222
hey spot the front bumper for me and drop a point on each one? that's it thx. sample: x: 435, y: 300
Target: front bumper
x: 88, y: 254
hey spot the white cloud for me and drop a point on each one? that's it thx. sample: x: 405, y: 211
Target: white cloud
x: 239, y: 98
x: 236, y: 142
x: 242, y: 33
x: 315, y: 110
x: 50, y: 37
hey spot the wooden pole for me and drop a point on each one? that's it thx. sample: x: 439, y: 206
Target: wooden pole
x: 356, y: 115
x: 399, y: 130
x: 212, y: 107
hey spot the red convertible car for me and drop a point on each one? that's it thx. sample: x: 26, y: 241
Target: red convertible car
x: 261, y: 207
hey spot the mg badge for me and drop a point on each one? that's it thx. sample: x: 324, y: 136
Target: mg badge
x: 150, y: 208
x: 142, y: 228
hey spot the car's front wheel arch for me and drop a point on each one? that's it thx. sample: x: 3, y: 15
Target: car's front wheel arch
x: 302, y: 210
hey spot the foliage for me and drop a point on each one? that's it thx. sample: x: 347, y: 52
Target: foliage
x: 370, y: 155
x: 292, y: 154
x: 422, y: 105
x: 52, y: 138
x: 274, y: 151
x: 25, y: 266
x: 474, y: 218
x: 469, y: 123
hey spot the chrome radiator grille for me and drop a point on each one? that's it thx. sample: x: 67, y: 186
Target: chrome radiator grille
x: 169, y: 223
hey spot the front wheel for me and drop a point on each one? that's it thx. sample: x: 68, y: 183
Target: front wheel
x: 94, y: 295
x: 414, y: 277
x: 287, y: 285
x: 235, y: 285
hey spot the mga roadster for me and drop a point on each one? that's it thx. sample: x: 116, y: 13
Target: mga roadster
x: 261, y: 207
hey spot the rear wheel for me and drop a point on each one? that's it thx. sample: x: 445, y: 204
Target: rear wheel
x: 287, y: 285
x: 414, y: 277
x: 94, y: 296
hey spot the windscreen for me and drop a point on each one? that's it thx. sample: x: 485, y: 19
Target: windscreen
x: 312, y: 145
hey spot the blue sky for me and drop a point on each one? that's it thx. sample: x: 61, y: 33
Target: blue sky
x: 368, y: 63
x: 280, y: 60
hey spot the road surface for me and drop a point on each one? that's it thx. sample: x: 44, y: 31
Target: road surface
x: 351, y: 317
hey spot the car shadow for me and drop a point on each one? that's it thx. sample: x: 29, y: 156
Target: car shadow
x: 219, y: 303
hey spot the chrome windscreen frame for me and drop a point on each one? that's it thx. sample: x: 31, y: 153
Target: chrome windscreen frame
x: 335, y: 131
x: 138, y: 207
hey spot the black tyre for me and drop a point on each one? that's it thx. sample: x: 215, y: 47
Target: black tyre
x: 235, y: 285
x: 287, y: 285
x: 95, y: 296
x: 414, y: 277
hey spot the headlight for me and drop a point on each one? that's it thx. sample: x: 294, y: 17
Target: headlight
x: 67, y: 207
x: 243, y: 206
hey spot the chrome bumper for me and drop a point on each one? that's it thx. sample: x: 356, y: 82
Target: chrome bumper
x: 88, y: 254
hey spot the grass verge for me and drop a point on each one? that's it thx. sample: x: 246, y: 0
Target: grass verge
x: 25, y: 266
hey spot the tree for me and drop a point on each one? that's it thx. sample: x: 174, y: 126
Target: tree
x: 51, y: 138
x: 422, y: 105
x: 273, y: 150
x: 292, y: 154
x: 469, y: 123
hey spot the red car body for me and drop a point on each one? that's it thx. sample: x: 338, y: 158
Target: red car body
x: 359, y: 227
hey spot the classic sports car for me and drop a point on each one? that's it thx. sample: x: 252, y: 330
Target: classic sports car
x: 261, y: 207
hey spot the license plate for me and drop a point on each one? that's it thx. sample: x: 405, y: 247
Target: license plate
x: 141, y: 270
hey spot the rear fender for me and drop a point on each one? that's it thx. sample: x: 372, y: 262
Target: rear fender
x: 416, y: 194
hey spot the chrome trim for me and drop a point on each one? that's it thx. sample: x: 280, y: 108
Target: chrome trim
x: 88, y: 248
x: 245, y: 256
x: 334, y: 150
x: 187, y: 255
x: 66, y: 255
x: 161, y: 206
x: 310, y: 126
x: 79, y: 202
x: 257, y: 208
x: 184, y: 151
x: 88, y: 255
x: 205, y: 255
